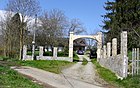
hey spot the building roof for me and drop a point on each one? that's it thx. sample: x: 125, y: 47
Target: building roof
x: 79, y: 42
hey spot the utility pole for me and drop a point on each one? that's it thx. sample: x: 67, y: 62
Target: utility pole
x: 33, y: 42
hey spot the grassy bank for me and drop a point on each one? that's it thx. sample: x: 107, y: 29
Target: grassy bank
x: 108, y: 76
x: 11, y: 79
x: 48, y: 65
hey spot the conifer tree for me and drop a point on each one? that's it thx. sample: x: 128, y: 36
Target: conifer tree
x: 123, y: 15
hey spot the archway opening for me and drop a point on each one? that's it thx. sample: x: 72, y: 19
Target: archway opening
x: 84, y: 48
x: 97, y: 37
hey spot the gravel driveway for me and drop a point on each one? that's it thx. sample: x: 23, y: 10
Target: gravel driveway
x: 76, y: 76
x: 85, y: 73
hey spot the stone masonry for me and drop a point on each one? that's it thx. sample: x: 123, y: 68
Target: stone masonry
x: 114, y: 46
x: 118, y: 63
x: 97, y: 37
x: 108, y: 49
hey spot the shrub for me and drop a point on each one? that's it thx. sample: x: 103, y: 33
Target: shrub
x: 49, y: 53
x: 30, y: 53
x: 62, y: 54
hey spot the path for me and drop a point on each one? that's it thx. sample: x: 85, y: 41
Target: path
x: 77, y: 76
x: 85, y: 73
x: 83, y: 56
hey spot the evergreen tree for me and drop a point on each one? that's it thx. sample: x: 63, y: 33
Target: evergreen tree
x: 123, y: 15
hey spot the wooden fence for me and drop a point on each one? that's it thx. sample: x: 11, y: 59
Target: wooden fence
x: 135, y: 62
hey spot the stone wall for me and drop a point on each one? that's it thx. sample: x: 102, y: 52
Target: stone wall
x: 52, y: 58
x: 116, y: 63
x: 41, y: 57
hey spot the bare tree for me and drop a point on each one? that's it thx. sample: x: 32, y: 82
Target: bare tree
x: 53, y: 25
x: 10, y: 25
x: 55, y: 28
x: 27, y: 9
x: 76, y: 26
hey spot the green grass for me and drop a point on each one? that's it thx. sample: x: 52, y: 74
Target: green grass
x: 62, y: 54
x: 11, y: 79
x: 130, y: 55
x: 87, y: 52
x: 30, y: 53
x: 48, y: 65
x: 84, y: 61
x: 110, y: 77
x: 75, y: 58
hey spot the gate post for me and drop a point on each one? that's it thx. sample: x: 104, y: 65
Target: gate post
x: 108, y: 49
x: 104, y: 52
x: 55, y: 53
x: 99, y: 45
x: 71, y: 46
x: 114, y: 46
x: 24, y: 52
x: 40, y: 52
x: 124, y: 52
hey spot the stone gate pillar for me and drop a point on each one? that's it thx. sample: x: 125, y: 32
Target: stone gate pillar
x: 99, y: 45
x: 114, y: 46
x: 124, y: 43
x: 104, y: 51
x: 40, y: 52
x: 24, y: 52
x: 108, y: 49
x: 124, y: 52
x: 71, y: 45
x: 55, y: 52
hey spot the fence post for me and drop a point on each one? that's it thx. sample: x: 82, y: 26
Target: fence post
x: 114, y: 46
x: 40, y: 52
x: 55, y: 53
x: 137, y: 61
x: 24, y: 52
x: 121, y: 43
x: 132, y: 61
x: 104, y: 51
x: 108, y: 49
x: 135, y: 58
x: 124, y: 53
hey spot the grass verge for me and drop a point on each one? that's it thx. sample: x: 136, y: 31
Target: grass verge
x: 48, y: 65
x: 84, y: 62
x: 11, y: 79
x: 110, y: 77
x: 75, y: 58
